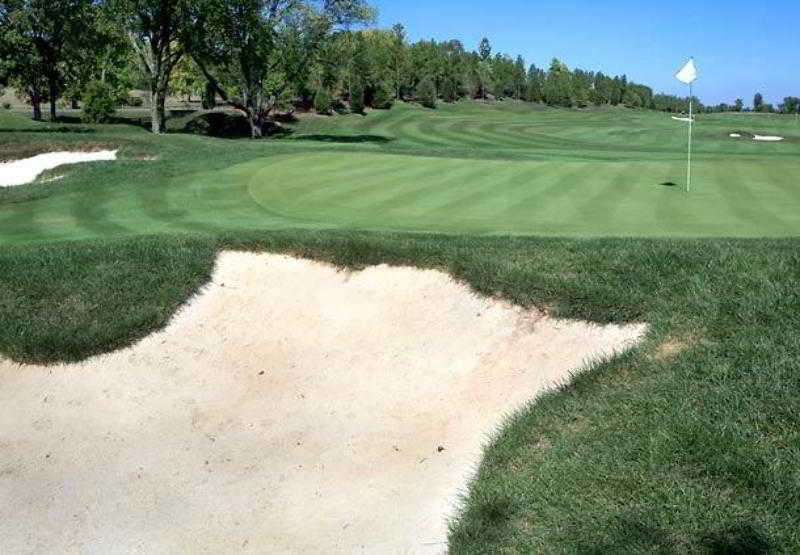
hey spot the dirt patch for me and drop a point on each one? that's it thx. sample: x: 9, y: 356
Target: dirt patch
x: 289, y: 407
x: 670, y: 348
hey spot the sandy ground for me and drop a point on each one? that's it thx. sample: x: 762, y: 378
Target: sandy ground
x: 289, y: 408
x: 20, y: 172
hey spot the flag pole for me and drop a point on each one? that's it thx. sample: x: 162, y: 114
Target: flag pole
x: 689, y: 161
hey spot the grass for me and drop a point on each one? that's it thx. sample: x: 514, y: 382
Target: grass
x: 690, y: 444
x: 461, y: 169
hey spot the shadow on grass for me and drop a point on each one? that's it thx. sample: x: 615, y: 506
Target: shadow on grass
x: 346, y: 139
x: 668, y: 184
x: 635, y: 535
x: 226, y: 125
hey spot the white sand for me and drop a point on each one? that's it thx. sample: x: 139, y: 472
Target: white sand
x: 682, y: 119
x: 768, y: 138
x: 289, y: 408
x: 20, y: 172
x: 735, y: 135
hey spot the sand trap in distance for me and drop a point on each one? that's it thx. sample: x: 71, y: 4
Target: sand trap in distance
x: 20, y: 172
x: 767, y: 138
x: 288, y: 407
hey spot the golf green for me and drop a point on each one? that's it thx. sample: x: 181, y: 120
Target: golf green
x: 384, y: 191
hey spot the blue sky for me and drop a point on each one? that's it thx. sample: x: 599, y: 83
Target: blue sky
x: 740, y: 47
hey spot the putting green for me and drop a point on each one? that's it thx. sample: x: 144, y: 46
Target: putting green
x: 488, y: 196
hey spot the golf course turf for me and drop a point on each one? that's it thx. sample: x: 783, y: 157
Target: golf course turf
x: 689, y: 444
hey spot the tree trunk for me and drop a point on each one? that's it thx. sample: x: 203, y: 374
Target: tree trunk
x: 256, y: 121
x: 36, y: 100
x: 158, y: 100
x: 52, y: 90
x: 256, y: 130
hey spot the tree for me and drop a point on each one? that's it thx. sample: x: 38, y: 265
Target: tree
x: 322, y: 102
x: 103, y: 55
x: 357, y: 96
x: 739, y: 105
x: 20, y: 65
x: 154, y: 28
x: 399, y: 59
x: 558, y: 88
x: 485, y: 49
x: 426, y: 93
x: 44, y: 32
x: 632, y: 100
x: 187, y: 80
x: 758, y: 102
x: 519, y: 77
x: 254, y: 52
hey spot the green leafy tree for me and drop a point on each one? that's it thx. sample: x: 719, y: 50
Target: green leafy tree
x: 255, y: 52
x: 739, y: 105
x: 154, y: 28
x: 323, y: 104
x: 399, y: 60
x: 383, y: 96
x: 357, y: 96
x: 187, y: 80
x: 758, y: 102
x: 426, y: 93
x: 485, y: 49
x: 104, y: 55
x: 45, y: 34
x: 20, y: 65
x: 558, y: 86
x: 632, y: 100
x: 99, y: 102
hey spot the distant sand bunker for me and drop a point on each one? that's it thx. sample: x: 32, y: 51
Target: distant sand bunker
x: 20, y: 172
x: 290, y: 407
x: 768, y: 138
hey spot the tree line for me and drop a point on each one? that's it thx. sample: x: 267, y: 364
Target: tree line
x: 262, y: 56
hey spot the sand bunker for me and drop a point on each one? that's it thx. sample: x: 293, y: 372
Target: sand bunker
x: 768, y: 138
x: 25, y: 171
x: 290, y: 407
x: 735, y: 135
x: 682, y: 119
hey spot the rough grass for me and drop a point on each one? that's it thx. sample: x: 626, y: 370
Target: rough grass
x: 690, y: 444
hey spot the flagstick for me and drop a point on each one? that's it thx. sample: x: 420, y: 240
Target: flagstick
x: 689, y: 163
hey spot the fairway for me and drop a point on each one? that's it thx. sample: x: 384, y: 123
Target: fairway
x: 500, y: 169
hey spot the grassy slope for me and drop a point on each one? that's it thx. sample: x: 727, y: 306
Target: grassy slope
x: 690, y: 444
x: 465, y: 169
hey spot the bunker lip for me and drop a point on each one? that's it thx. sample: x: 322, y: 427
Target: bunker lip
x: 288, y: 404
x: 22, y: 172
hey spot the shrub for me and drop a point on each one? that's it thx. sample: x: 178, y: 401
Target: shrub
x: 323, y: 104
x: 383, y: 97
x: 134, y: 101
x: 6, y: 105
x: 357, y: 97
x: 449, y: 90
x: 99, y: 102
x: 426, y: 93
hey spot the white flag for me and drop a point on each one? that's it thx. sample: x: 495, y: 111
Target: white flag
x: 688, y: 73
